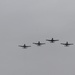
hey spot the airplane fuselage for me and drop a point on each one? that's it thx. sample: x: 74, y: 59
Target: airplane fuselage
x: 52, y: 41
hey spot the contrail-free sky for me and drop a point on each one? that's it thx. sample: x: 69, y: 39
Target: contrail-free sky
x: 28, y: 21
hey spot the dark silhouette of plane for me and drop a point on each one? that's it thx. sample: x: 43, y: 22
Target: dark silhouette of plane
x: 39, y: 44
x: 24, y: 46
x: 52, y: 40
x: 67, y: 44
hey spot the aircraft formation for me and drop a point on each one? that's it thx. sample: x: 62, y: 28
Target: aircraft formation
x: 66, y: 44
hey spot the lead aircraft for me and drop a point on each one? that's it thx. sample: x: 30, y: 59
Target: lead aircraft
x: 52, y: 40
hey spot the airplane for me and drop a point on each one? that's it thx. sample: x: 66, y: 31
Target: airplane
x: 24, y: 46
x: 52, y: 40
x: 67, y: 44
x: 39, y: 44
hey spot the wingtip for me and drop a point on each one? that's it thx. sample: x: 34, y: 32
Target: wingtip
x: 46, y: 39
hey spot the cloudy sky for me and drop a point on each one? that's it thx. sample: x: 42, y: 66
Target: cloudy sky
x: 28, y: 21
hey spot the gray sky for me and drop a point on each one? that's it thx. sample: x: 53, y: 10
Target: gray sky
x: 28, y: 21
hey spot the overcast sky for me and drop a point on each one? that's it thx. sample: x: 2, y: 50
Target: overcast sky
x: 28, y: 21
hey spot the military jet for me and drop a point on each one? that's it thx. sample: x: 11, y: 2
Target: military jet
x: 67, y: 44
x: 52, y: 40
x: 39, y: 44
x: 24, y: 46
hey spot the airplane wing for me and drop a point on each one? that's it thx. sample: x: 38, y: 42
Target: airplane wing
x: 48, y: 40
x: 28, y: 46
x: 42, y: 43
x: 56, y: 40
x: 20, y: 46
x: 35, y: 43
x: 63, y: 43
x: 70, y: 44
